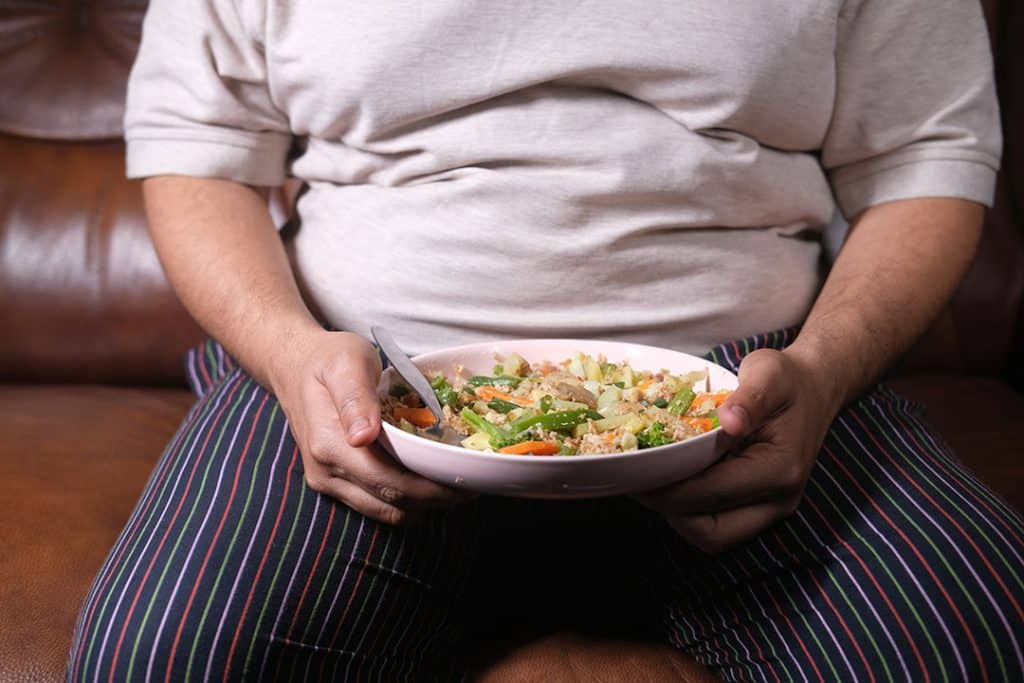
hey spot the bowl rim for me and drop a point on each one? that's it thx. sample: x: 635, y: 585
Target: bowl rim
x: 508, y: 457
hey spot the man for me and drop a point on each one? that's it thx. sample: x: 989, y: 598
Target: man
x: 651, y: 172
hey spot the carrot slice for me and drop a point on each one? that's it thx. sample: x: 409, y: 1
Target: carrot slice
x: 703, y: 424
x: 702, y: 400
x: 531, y: 447
x: 646, y: 383
x: 488, y: 393
x: 421, y: 417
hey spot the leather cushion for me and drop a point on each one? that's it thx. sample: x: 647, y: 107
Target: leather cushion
x: 981, y: 420
x: 73, y: 461
x: 68, y: 62
x: 84, y: 296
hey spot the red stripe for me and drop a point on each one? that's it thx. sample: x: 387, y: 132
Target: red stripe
x: 216, y: 535
x: 944, y: 513
x: 146, y: 503
x: 922, y: 449
x: 849, y: 634
x: 305, y: 588
x: 316, y: 563
x: 352, y: 595
x: 156, y: 554
x: 200, y: 361
x: 921, y: 559
x: 263, y: 561
x: 955, y: 475
x: 789, y: 623
x: 871, y: 577
x: 757, y: 647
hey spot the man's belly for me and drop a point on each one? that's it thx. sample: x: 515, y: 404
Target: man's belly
x: 446, y: 268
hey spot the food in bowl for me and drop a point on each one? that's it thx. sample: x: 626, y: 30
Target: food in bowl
x: 583, y: 405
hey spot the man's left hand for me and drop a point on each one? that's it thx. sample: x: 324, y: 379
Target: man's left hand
x: 779, y: 416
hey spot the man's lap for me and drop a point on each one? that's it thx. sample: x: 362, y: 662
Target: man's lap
x: 896, y: 562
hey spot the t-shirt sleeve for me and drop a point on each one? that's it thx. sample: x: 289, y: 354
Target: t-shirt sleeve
x: 198, y: 100
x: 915, y: 107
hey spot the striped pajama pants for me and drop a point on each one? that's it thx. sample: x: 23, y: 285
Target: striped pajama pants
x: 898, y: 565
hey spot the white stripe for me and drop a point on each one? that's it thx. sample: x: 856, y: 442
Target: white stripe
x: 295, y: 571
x: 785, y: 642
x: 899, y: 558
x: 809, y: 602
x: 952, y: 544
x: 839, y: 561
x: 166, y: 605
x: 248, y: 550
x: 143, y: 554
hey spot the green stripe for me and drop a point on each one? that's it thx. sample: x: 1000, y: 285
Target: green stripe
x: 273, y: 581
x: 330, y: 572
x: 191, y: 435
x: 188, y: 520
x: 939, y: 554
x: 885, y: 567
x: 367, y: 594
x: 832, y: 579
x: 796, y: 610
x: 965, y: 477
x: 753, y: 620
x: 212, y: 365
x: 969, y: 517
x: 234, y: 537
x: 764, y: 636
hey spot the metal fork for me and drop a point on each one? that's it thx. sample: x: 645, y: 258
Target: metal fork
x: 411, y: 374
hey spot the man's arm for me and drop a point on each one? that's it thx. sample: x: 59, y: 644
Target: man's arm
x: 898, y: 268
x: 223, y: 255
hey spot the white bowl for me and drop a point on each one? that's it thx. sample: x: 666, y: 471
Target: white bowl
x: 577, y: 476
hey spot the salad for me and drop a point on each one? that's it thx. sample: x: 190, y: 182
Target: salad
x: 580, y: 406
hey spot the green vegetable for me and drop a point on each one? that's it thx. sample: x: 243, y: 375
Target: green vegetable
x: 500, y: 406
x: 511, y: 440
x: 563, y: 420
x: 545, y: 403
x: 714, y: 422
x: 444, y: 392
x: 496, y: 381
x: 660, y: 403
x: 399, y: 390
x: 620, y: 385
x: 479, y: 424
x: 653, y: 436
x: 680, y: 403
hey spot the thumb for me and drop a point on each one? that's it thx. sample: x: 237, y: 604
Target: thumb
x: 763, y: 390
x: 353, y: 389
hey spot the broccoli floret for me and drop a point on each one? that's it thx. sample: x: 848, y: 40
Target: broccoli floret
x: 653, y: 436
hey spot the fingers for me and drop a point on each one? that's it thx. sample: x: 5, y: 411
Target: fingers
x: 761, y: 472
x: 351, y: 381
x: 359, y: 500
x: 720, y: 531
x: 335, y: 468
x: 764, y: 389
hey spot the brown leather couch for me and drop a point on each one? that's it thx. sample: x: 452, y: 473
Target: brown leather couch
x: 91, y: 382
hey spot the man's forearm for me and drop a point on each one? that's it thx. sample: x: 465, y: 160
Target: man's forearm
x: 221, y: 252
x: 899, y: 266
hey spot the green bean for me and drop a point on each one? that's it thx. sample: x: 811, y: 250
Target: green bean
x: 681, y: 402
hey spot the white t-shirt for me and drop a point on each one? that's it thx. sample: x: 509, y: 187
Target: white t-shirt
x: 654, y: 171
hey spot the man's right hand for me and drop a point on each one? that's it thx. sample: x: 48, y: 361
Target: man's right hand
x: 326, y: 383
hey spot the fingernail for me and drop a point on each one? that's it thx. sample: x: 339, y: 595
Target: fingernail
x: 742, y: 413
x: 358, y: 425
